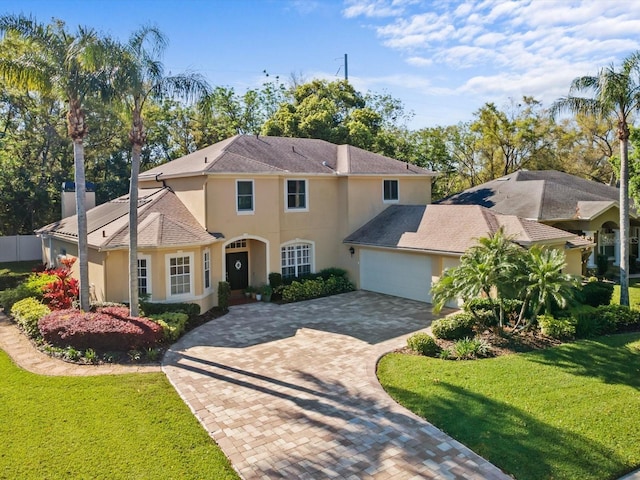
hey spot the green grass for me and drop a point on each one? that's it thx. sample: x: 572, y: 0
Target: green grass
x: 16, y: 267
x: 569, y: 412
x: 104, y: 427
x: 634, y: 293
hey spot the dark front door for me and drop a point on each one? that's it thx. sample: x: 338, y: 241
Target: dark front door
x: 238, y: 270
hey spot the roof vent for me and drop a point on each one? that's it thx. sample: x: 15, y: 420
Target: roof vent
x: 205, y: 159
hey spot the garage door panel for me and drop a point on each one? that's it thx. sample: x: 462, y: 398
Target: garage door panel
x: 396, y: 273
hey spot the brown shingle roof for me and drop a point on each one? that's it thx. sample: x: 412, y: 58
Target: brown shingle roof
x: 452, y: 229
x: 163, y: 220
x: 260, y: 154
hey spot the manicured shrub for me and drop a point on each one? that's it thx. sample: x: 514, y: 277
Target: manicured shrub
x: 224, y: 294
x: 469, y: 348
x: 108, y: 328
x: 32, y: 287
x: 596, y: 293
x: 560, y: 328
x: 275, y: 279
x: 615, y: 318
x: 453, y: 327
x: 585, y: 320
x: 151, y: 308
x: 314, y: 288
x: 423, y: 343
x: 27, y: 312
x: 511, y: 310
x: 173, y: 324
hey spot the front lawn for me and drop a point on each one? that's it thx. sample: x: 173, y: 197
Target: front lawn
x: 104, y: 427
x: 634, y: 293
x: 568, y: 412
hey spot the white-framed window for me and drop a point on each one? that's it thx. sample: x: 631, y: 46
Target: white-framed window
x: 242, y: 243
x: 390, y: 190
x: 296, y: 259
x: 179, y: 274
x: 206, y: 269
x: 144, y: 275
x: 244, y: 196
x: 296, y: 195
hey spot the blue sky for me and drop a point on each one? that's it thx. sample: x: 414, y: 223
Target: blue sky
x: 444, y: 59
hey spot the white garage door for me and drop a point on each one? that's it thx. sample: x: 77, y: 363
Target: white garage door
x: 396, y: 273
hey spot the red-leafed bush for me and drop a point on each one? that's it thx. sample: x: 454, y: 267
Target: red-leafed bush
x: 61, y: 293
x: 108, y: 328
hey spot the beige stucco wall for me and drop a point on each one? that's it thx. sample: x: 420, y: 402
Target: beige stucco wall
x: 117, y: 281
x: 336, y: 206
x: 364, y: 200
x: 573, y: 259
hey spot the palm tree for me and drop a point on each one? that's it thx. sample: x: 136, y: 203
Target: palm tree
x: 544, y: 282
x: 611, y: 92
x: 141, y: 76
x: 68, y: 67
x: 485, y: 269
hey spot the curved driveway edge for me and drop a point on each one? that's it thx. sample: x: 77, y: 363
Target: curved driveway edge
x: 290, y: 392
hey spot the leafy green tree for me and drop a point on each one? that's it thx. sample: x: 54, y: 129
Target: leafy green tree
x: 513, y: 139
x: 612, y: 92
x: 68, y: 67
x: 331, y: 111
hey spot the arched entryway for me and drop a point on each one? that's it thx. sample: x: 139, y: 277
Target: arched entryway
x: 245, y: 262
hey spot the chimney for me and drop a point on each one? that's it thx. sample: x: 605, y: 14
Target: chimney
x: 69, y: 198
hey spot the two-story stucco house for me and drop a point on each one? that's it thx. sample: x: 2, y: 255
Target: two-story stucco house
x: 236, y: 211
x: 251, y: 205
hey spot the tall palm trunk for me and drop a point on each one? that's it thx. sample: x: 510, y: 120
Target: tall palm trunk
x: 78, y: 130
x: 137, y: 138
x: 623, y: 135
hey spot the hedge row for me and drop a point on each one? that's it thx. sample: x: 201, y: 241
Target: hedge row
x: 150, y: 308
x: 314, y: 288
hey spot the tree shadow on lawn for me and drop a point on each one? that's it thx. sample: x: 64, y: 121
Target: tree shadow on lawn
x: 513, y: 440
x: 606, y: 358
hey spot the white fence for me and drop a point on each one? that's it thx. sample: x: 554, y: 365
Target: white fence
x: 18, y: 248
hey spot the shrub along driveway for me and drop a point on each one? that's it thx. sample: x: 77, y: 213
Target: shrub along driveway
x: 290, y: 391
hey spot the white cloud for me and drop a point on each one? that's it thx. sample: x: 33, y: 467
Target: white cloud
x: 420, y: 61
x: 373, y: 8
x: 488, y: 49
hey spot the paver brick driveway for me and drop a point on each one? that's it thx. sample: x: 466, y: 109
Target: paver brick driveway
x: 289, y: 391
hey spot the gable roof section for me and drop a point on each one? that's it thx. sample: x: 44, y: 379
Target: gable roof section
x: 163, y: 221
x: 452, y: 229
x: 268, y: 155
x: 540, y: 195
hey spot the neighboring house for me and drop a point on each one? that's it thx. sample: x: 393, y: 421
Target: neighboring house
x: 251, y: 205
x: 236, y: 211
x: 406, y: 248
x: 580, y: 206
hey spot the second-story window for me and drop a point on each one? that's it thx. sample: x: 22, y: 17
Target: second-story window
x: 297, y: 195
x: 244, y: 193
x: 390, y: 190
